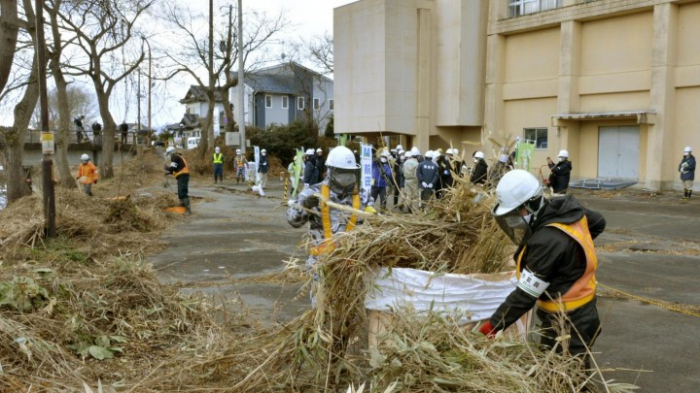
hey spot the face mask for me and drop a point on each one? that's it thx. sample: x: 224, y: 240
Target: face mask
x: 476, y: 160
x: 528, y: 218
x: 383, y: 159
x: 561, y: 159
x: 342, y: 181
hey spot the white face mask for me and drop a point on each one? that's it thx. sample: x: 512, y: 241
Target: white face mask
x: 528, y: 218
x: 561, y: 159
x: 264, y: 154
x: 383, y: 159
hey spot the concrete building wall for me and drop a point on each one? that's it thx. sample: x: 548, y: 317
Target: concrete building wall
x: 276, y: 114
x: 597, y: 64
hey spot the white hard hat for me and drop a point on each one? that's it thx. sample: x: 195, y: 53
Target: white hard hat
x: 415, y: 151
x: 455, y: 151
x: 238, y: 151
x: 515, y: 188
x: 479, y: 154
x: 384, y: 153
x: 341, y: 157
x: 170, y: 150
x: 84, y: 158
x: 309, y: 152
x: 319, y: 150
x: 687, y: 149
x: 449, y: 151
x: 263, y: 151
x: 399, y: 147
x: 429, y: 154
x: 217, y: 149
x: 563, y: 153
x: 408, y: 154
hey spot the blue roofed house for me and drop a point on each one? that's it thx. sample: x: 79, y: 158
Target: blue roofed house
x: 284, y: 93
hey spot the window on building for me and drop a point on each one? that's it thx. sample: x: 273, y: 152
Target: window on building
x: 330, y: 104
x: 301, y: 103
x: 285, y: 102
x: 537, y: 135
x: 317, y: 104
x: 268, y: 101
x: 524, y: 7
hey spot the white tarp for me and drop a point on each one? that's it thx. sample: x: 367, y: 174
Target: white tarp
x: 477, y: 295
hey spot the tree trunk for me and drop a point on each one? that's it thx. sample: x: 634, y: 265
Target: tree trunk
x: 9, y: 29
x: 63, y: 134
x: 206, y: 125
x: 227, y: 109
x: 14, y: 138
x: 110, y: 129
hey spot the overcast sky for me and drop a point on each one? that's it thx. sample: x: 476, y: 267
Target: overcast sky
x: 308, y: 18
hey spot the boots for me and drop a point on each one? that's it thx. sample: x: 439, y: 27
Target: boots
x: 186, y: 203
x: 690, y: 193
x: 685, y: 193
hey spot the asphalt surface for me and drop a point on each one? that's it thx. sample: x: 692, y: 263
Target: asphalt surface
x: 649, y: 249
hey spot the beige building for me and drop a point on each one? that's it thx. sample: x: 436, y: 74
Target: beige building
x: 615, y: 82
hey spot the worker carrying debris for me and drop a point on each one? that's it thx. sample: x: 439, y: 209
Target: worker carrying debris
x: 87, y: 174
x: 178, y: 167
x: 339, y: 187
x: 556, y: 262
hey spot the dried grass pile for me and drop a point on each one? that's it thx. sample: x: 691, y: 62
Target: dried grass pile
x: 326, y: 348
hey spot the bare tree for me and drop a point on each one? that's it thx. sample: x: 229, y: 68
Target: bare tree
x: 13, y: 137
x: 320, y: 52
x: 103, y: 29
x: 9, y: 29
x: 196, y: 56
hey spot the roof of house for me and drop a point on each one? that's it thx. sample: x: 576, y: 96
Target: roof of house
x: 196, y: 93
x: 282, y: 78
x: 189, y: 121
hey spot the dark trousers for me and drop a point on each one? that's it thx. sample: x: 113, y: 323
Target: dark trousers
x: 583, y: 324
x: 397, y: 191
x: 218, y: 172
x: 425, y: 194
x: 182, y: 184
x: 381, y: 192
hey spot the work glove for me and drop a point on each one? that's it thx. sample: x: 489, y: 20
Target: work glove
x: 291, y: 202
x: 488, y: 330
x: 370, y: 210
x: 424, y: 184
x: 310, y: 202
x: 430, y: 185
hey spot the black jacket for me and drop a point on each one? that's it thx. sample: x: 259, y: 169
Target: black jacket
x: 427, y: 172
x: 311, y: 174
x: 445, y: 172
x: 263, y: 164
x: 321, y: 165
x: 551, y: 255
x: 560, y: 176
x: 479, y: 173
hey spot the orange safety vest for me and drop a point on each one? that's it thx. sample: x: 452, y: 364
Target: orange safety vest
x: 240, y: 161
x: 583, y: 290
x: 327, y: 246
x: 184, y: 170
x: 89, y: 171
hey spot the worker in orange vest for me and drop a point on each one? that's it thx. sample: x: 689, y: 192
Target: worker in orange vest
x: 178, y: 168
x: 87, y: 174
x: 556, y: 262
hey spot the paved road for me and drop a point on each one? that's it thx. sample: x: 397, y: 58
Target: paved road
x: 234, y: 235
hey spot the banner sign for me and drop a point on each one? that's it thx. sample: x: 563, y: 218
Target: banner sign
x: 366, y: 162
x: 526, y: 153
x: 47, y: 146
x: 298, y: 166
x: 257, y: 163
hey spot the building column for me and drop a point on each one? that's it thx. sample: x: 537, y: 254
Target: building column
x: 494, y: 115
x: 422, y: 139
x: 660, y: 171
x: 568, y: 99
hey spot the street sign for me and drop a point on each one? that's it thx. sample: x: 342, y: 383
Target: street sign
x: 233, y: 139
x: 47, y: 146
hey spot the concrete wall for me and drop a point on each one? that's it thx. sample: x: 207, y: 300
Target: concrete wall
x: 603, y: 61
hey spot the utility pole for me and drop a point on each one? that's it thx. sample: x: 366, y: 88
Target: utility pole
x: 46, y: 135
x: 138, y: 107
x: 241, y: 83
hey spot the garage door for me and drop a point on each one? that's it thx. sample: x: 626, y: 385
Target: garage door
x: 618, y: 152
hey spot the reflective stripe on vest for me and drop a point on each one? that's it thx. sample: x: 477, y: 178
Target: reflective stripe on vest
x: 218, y: 158
x: 327, y: 246
x: 184, y: 169
x: 583, y: 290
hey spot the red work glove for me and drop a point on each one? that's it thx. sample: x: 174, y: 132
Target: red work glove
x: 488, y: 330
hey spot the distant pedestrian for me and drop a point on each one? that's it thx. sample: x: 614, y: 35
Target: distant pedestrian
x: 480, y: 172
x: 79, y: 128
x: 96, y: 131
x: 411, y: 182
x: 87, y: 174
x: 218, y: 160
x: 445, y: 165
x: 381, y: 178
x: 399, y: 179
x: 427, y: 174
x: 311, y: 174
x: 124, y: 129
x: 497, y: 171
x: 263, y: 168
x: 320, y: 162
x: 560, y: 173
x: 687, y: 170
x: 240, y: 165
